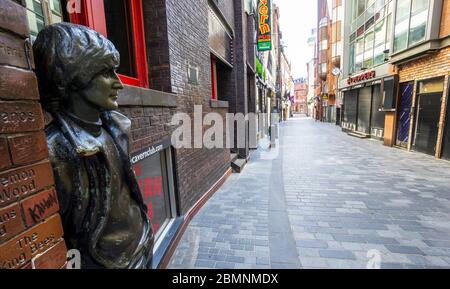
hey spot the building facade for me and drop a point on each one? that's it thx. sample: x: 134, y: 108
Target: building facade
x: 395, y: 74
x: 301, y: 96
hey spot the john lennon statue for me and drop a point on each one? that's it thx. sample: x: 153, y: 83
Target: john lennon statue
x: 103, y: 212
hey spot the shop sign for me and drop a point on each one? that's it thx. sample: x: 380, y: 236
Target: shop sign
x: 361, y: 77
x: 264, y: 26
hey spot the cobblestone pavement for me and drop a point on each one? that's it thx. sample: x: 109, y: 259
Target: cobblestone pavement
x: 325, y: 200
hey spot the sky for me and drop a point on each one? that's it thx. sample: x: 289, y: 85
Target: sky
x: 297, y: 18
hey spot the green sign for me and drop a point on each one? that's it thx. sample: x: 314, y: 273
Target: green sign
x: 264, y: 25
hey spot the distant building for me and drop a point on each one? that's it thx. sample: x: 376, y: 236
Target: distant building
x: 301, y: 96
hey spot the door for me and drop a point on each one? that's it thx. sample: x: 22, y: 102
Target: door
x: 351, y: 108
x: 428, y: 109
x: 404, y: 114
x: 377, y: 115
x: 364, y: 109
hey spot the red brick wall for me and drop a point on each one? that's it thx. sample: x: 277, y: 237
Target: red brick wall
x: 30, y: 226
x: 431, y: 66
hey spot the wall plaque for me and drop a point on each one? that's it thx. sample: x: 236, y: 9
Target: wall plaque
x: 23, y: 182
x: 40, y: 206
x: 20, y: 116
x: 56, y: 257
x: 11, y: 222
x: 20, y: 250
x: 12, y: 51
x: 14, y: 18
x: 28, y: 148
x: 5, y: 160
x: 17, y: 84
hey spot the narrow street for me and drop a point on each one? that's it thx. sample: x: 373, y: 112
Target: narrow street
x: 324, y: 201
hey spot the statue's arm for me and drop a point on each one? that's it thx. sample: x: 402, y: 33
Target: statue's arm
x: 64, y: 169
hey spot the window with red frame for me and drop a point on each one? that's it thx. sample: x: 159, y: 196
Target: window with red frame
x: 122, y: 22
x: 213, y: 77
x: 119, y: 20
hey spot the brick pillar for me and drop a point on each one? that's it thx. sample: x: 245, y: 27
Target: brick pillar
x: 30, y: 226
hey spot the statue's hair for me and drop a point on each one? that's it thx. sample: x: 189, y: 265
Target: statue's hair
x: 68, y: 57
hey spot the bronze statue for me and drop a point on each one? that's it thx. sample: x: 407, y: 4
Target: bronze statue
x: 103, y: 212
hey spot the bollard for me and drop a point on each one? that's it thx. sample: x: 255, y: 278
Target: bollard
x: 272, y: 136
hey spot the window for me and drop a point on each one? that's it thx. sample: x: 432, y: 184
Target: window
x: 213, y: 78
x: 119, y: 20
x: 122, y: 22
x: 154, y: 174
x: 410, y: 23
x: 41, y: 13
x: 370, y: 33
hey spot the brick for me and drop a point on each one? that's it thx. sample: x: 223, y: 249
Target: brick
x: 30, y: 148
x: 22, y: 182
x: 40, y: 206
x: 54, y: 258
x: 19, y: 116
x: 11, y: 222
x: 12, y: 51
x: 20, y: 250
x: 14, y: 18
x: 18, y: 84
x: 5, y: 159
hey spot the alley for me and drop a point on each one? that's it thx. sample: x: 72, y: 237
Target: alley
x: 325, y: 200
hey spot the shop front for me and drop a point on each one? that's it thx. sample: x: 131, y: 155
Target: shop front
x: 363, y: 107
x: 155, y: 176
x: 422, y: 117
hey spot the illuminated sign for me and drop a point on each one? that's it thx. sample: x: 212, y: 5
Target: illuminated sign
x: 264, y: 26
x: 149, y: 168
x: 361, y: 77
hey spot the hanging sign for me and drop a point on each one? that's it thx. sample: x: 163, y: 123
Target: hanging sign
x: 264, y: 25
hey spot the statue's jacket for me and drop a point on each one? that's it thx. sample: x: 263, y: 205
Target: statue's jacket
x: 85, y: 204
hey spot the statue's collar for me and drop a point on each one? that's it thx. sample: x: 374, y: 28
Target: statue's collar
x: 94, y: 128
x: 87, y: 144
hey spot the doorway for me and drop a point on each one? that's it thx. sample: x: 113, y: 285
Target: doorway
x: 428, y: 109
x: 429, y: 101
x: 404, y: 114
x: 364, y: 110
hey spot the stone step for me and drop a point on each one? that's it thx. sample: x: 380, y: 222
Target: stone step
x: 358, y: 134
x: 233, y: 157
x: 238, y: 165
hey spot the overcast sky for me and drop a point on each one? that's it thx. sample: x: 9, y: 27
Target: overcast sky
x: 298, y: 17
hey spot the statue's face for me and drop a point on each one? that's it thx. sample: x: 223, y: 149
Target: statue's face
x: 102, y: 90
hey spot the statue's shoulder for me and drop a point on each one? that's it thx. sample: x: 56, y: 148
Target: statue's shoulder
x: 121, y: 121
x: 59, y: 146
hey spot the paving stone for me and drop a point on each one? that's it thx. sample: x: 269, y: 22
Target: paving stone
x: 314, y: 262
x: 312, y: 244
x: 224, y: 265
x: 404, y: 249
x: 337, y: 254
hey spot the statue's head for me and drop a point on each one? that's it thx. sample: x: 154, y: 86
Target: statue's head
x: 74, y: 61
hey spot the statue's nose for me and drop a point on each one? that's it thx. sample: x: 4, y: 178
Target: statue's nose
x: 117, y: 83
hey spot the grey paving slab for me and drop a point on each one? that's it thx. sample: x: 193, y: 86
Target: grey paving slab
x: 333, y: 199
